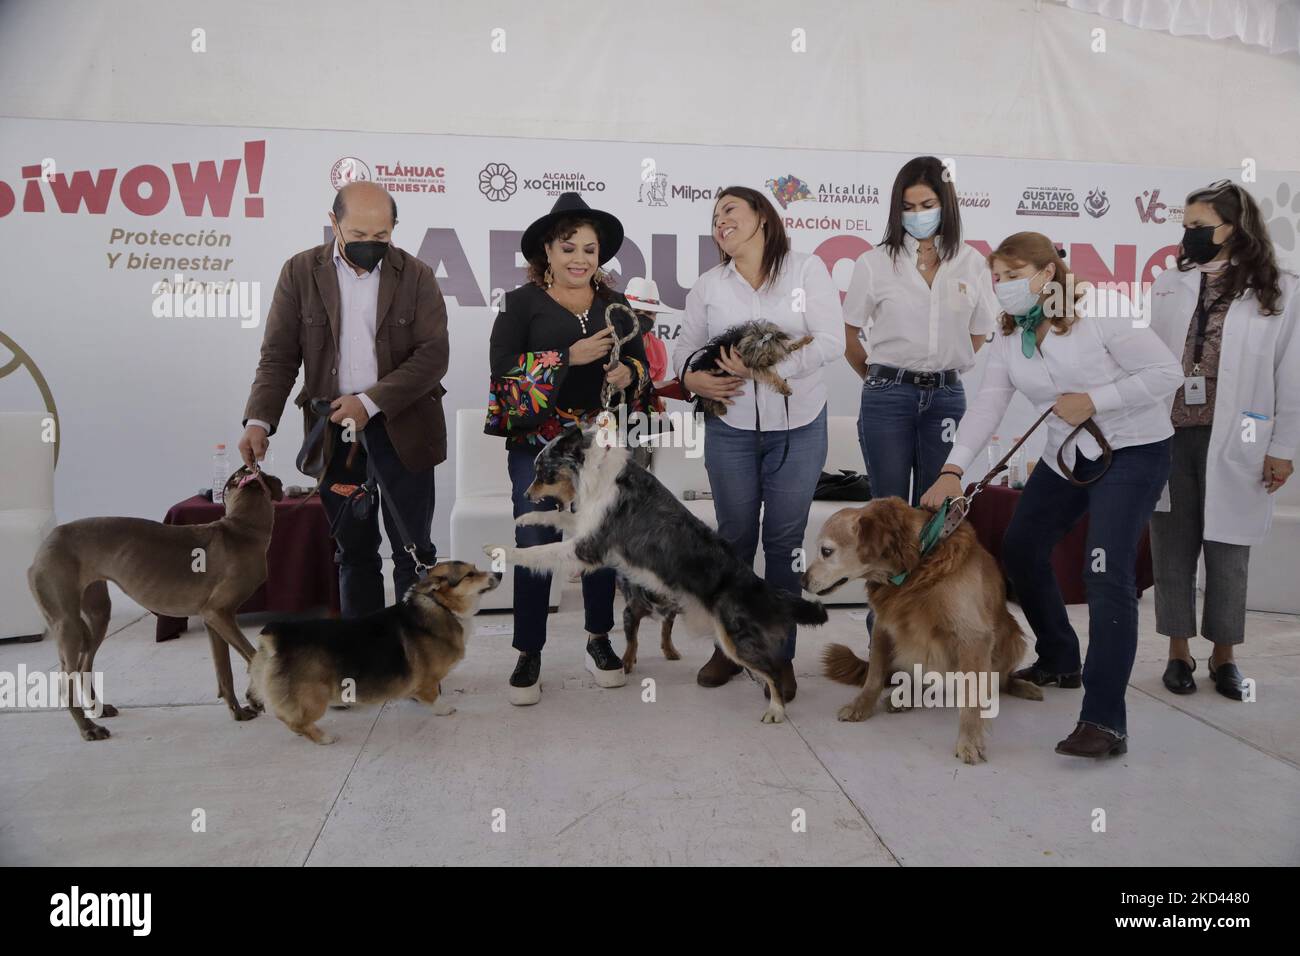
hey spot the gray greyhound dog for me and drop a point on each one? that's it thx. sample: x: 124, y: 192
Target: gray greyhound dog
x: 175, y: 570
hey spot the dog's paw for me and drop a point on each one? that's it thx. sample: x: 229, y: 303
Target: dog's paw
x: 442, y: 707
x: 243, y: 713
x: 970, y: 750
x: 670, y: 653
x: 854, y: 713
x: 95, y: 732
x: 893, y: 708
x: 325, y: 739
x: 773, y: 715
x: 629, y: 661
x: 107, y: 710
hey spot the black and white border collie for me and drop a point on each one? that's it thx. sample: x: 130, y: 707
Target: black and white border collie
x: 626, y: 520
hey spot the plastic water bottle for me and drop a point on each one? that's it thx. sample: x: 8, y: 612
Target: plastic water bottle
x: 995, y: 455
x: 220, y: 474
x: 1016, y: 467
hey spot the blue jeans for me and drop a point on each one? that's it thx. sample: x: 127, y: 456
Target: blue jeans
x: 361, y: 576
x: 1118, y: 506
x: 532, y: 589
x: 906, y: 433
x: 744, y: 476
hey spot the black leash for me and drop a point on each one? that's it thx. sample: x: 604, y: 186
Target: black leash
x: 366, y: 496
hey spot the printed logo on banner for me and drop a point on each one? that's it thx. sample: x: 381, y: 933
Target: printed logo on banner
x: 566, y: 182
x: 349, y: 169
x: 862, y: 194
x: 1048, y: 201
x: 412, y: 178
x: 1151, y: 209
x: 973, y: 200
x: 1096, y: 204
x: 656, y: 191
x: 788, y: 189
x: 497, y: 182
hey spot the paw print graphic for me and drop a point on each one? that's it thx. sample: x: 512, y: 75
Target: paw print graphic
x: 1161, y: 261
x: 1283, y: 219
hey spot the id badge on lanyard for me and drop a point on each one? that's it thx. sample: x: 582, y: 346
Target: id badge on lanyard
x: 1194, y: 388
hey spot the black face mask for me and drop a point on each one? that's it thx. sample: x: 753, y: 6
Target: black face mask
x: 365, y: 255
x: 1199, y: 244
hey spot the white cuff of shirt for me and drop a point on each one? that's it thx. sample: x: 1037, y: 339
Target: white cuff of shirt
x: 265, y: 426
x: 961, y: 457
x: 371, y: 408
x: 1107, y: 398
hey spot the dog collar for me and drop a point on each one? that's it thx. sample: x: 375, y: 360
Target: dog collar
x: 941, y: 524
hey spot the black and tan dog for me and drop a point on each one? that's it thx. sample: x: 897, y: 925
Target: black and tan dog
x: 156, y: 565
x: 949, y: 615
x: 626, y: 520
x: 760, y: 345
x: 301, y: 667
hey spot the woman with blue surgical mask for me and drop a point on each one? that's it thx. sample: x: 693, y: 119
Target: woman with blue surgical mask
x: 918, y: 308
x: 1080, y: 364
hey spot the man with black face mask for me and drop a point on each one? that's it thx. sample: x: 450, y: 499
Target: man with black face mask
x: 367, y: 323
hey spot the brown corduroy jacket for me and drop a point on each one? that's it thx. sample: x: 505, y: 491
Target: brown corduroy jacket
x: 302, y: 329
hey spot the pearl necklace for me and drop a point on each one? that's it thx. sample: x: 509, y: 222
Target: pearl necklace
x: 582, y: 319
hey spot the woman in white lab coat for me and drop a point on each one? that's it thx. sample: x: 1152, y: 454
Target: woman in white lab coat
x: 1231, y: 315
x: 1083, y: 365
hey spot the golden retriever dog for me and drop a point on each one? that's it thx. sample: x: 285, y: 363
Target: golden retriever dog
x: 949, y: 616
x: 301, y: 667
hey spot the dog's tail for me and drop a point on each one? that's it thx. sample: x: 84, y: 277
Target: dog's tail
x: 839, y: 663
x: 803, y: 611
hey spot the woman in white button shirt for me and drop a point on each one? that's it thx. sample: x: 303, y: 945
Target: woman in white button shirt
x: 765, y: 452
x: 924, y: 301
x: 1082, y: 366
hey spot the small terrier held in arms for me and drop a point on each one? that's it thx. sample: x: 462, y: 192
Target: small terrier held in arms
x: 626, y: 520
x: 760, y: 345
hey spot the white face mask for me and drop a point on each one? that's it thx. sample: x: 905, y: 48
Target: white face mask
x: 1015, y: 296
x: 923, y: 224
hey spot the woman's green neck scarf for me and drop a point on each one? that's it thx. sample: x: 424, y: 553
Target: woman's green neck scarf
x: 1028, y: 325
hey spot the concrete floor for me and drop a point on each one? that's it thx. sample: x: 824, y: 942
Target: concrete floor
x: 593, y: 776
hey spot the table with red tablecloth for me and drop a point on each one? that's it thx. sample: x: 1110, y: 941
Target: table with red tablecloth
x: 991, y: 513
x: 301, y: 574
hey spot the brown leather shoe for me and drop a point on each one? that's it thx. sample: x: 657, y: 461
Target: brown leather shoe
x: 1089, y: 740
x: 718, y: 670
x: 785, y: 680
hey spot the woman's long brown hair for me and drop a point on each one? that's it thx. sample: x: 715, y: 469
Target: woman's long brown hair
x: 776, y: 244
x: 1252, y: 267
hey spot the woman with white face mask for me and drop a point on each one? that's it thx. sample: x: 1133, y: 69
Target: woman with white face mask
x: 1060, y: 356
x: 1232, y: 316
x: 923, y: 305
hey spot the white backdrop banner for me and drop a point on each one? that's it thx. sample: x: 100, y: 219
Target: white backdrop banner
x: 98, y: 221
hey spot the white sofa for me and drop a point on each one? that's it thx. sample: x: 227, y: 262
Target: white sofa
x: 26, y: 517
x: 482, y: 512
x: 1274, y: 583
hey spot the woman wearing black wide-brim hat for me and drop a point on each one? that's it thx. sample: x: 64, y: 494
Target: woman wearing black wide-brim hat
x: 550, y: 351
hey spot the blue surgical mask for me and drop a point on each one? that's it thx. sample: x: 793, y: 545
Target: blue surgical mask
x: 1015, y: 296
x: 923, y: 224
